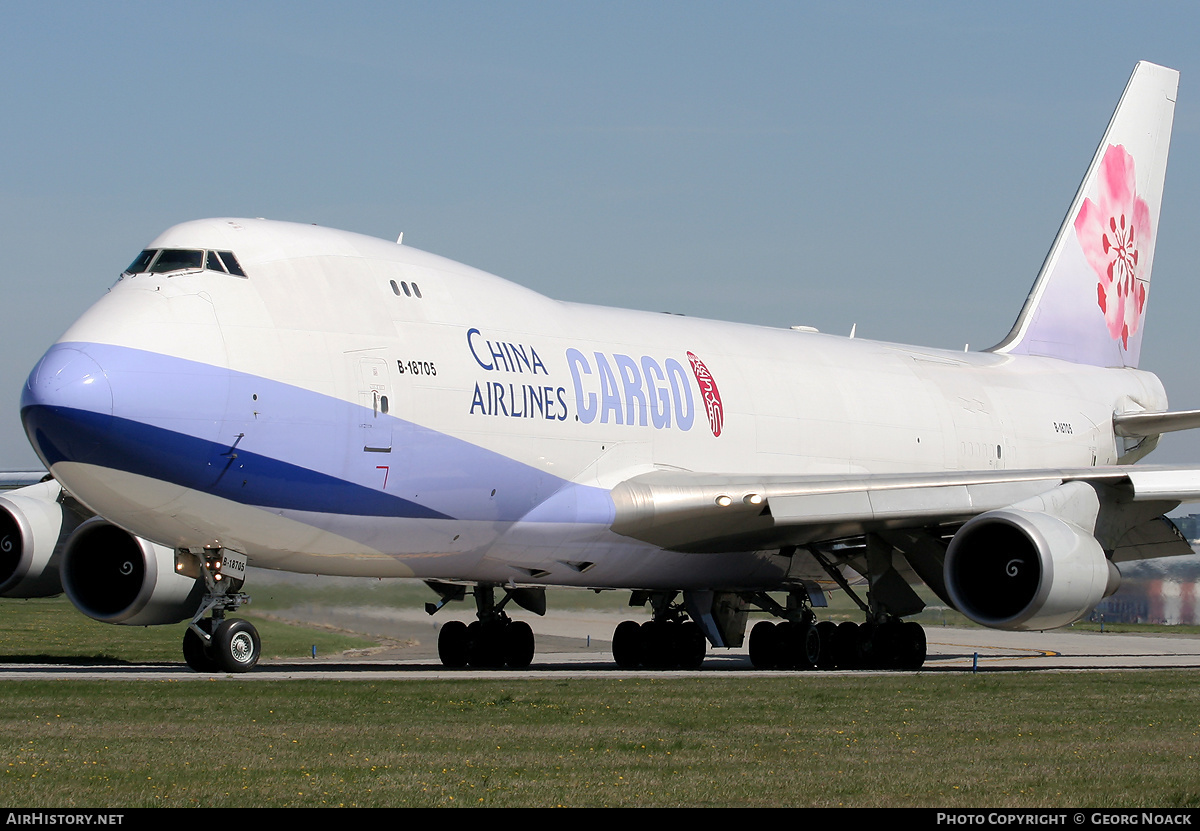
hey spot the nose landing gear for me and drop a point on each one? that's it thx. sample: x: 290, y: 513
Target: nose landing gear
x: 217, y: 643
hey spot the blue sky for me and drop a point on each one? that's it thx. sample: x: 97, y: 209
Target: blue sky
x: 902, y: 167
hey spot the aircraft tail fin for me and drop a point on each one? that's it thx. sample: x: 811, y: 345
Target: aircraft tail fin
x: 1088, y: 304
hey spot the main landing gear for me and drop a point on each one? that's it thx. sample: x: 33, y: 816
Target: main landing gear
x: 494, y: 640
x: 218, y: 643
x: 892, y: 644
x: 668, y: 641
x: 883, y: 642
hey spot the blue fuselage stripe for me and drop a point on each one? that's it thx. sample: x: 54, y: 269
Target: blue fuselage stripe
x: 223, y: 471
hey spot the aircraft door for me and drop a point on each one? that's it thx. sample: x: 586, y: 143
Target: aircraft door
x: 374, y: 395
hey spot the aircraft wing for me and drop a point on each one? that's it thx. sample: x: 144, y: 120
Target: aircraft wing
x: 694, y: 512
x: 12, y: 479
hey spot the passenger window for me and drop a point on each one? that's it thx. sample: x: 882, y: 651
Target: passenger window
x: 404, y: 285
x: 416, y: 291
x: 395, y: 288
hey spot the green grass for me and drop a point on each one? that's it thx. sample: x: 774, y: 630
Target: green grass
x: 1115, y: 739
x: 1027, y: 740
x: 413, y: 594
x: 50, y: 630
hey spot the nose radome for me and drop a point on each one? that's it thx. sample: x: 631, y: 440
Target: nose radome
x: 67, y: 405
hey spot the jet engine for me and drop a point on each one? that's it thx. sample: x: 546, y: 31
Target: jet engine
x: 33, y: 525
x: 1033, y: 565
x: 114, y: 577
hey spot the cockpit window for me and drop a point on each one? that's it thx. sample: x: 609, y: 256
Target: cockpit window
x: 213, y: 263
x: 165, y: 260
x: 142, y: 263
x: 232, y: 264
x: 177, y: 259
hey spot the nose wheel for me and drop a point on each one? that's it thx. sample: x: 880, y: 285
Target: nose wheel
x: 218, y: 643
x: 233, y: 646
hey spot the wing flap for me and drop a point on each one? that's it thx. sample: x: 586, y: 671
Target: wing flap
x: 1154, y: 538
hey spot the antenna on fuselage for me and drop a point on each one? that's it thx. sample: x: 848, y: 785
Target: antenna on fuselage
x: 853, y: 329
x: 400, y: 239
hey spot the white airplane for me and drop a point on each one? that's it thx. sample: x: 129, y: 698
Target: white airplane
x: 317, y: 401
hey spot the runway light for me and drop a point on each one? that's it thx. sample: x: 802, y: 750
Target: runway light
x: 724, y: 501
x: 753, y: 499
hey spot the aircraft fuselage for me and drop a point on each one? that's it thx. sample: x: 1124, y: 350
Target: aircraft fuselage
x: 354, y: 406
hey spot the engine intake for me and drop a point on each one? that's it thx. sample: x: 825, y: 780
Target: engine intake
x: 1018, y: 568
x: 114, y: 577
x: 33, y: 526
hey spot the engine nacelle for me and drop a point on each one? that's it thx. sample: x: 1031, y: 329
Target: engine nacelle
x: 114, y: 577
x: 1022, y: 569
x: 33, y: 526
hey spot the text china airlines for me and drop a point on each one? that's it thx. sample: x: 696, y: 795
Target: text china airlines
x: 611, y: 388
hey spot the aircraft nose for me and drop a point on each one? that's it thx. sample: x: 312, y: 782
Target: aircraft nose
x: 67, y: 406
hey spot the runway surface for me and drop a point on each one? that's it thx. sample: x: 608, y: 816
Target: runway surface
x: 576, y: 645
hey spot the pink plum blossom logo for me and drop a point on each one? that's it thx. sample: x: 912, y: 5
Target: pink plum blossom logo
x: 1113, y: 235
x: 709, y: 393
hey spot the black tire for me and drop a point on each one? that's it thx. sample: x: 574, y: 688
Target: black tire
x: 809, y: 642
x: 764, y: 645
x: 888, y: 638
x: 913, y: 646
x: 846, y: 653
x: 485, y: 645
x: 827, y: 631
x: 791, y: 645
x: 236, y: 645
x: 518, y: 644
x: 195, y: 652
x: 690, y: 645
x: 658, y: 646
x: 627, y: 644
x: 453, y: 648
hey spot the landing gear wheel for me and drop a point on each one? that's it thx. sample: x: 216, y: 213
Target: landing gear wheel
x: 846, y: 652
x: 485, y: 645
x: 913, y: 648
x: 453, y: 648
x: 195, y: 653
x: 799, y: 645
x: 236, y: 645
x: 690, y: 645
x: 888, y: 640
x: 810, y: 654
x: 764, y: 645
x: 627, y: 644
x: 827, y: 631
x: 657, y: 644
x: 518, y: 644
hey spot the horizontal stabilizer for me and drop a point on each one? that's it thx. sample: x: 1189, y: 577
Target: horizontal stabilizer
x: 1153, y: 424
